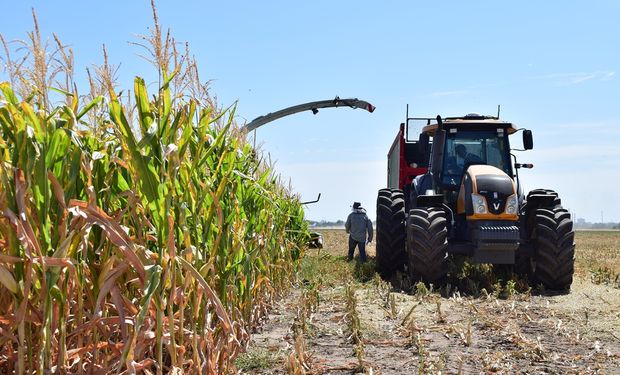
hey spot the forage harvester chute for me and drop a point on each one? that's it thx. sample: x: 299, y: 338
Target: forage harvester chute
x: 311, y: 106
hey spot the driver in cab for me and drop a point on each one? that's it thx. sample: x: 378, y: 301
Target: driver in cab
x: 462, y: 160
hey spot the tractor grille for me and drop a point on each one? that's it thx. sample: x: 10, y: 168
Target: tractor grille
x: 496, y: 244
x: 498, y: 234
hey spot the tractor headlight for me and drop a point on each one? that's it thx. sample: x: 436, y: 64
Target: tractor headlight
x: 511, y: 204
x: 479, y: 203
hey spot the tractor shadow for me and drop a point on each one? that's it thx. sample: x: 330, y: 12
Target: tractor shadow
x: 474, y: 280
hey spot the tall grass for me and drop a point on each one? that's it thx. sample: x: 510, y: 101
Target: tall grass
x: 132, y: 236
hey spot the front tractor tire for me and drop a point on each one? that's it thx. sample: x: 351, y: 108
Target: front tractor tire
x: 536, y: 193
x: 427, y: 245
x: 390, y: 239
x: 553, y: 237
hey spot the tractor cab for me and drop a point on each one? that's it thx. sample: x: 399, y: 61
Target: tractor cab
x: 470, y: 140
x: 458, y: 143
x: 465, y: 147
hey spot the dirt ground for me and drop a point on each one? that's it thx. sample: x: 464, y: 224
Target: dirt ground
x: 343, y: 319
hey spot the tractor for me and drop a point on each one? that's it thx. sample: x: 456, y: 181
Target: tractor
x: 455, y: 190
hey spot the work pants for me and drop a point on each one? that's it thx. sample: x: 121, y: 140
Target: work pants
x: 360, y: 245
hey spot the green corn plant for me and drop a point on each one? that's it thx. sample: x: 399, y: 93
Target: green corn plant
x: 135, y: 237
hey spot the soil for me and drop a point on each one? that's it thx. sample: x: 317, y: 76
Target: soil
x: 424, y: 332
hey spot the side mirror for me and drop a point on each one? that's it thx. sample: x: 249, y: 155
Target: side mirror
x: 528, y: 141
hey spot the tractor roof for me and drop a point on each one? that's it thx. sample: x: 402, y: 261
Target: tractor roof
x: 471, y: 121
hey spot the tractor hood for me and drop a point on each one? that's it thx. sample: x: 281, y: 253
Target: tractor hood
x: 487, y: 193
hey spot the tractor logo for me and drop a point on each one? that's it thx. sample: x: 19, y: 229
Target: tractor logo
x: 496, y: 205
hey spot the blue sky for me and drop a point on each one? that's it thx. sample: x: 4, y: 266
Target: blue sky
x: 553, y: 66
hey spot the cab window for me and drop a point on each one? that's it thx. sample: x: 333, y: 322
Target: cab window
x: 465, y: 148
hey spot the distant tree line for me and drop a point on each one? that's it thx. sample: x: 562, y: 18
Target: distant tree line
x: 330, y: 224
x: 582, y: 224
x: 325, y: 223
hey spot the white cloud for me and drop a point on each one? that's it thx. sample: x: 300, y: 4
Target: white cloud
x: 583, y: 78
x: 559, y: 78
x: 584, y: 153
x: 596, y: 140
x: 608, y: 76
x: 576, y: 78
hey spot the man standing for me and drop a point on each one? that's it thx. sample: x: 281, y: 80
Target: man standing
x: 358, y: 225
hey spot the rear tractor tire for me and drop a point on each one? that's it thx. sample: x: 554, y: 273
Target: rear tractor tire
x: 427, y: 245
x: 391, y: 255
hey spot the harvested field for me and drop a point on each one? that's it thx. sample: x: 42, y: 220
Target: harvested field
x: 343, y: 319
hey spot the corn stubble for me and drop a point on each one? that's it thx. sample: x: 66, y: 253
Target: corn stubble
x: 145, y: 236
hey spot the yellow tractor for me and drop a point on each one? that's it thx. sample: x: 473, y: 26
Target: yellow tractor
x: 455, y: 190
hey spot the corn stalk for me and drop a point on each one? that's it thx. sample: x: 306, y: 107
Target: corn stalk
x: 126, y: 245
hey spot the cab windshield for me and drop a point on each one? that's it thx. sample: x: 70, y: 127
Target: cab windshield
x: 464, y: 148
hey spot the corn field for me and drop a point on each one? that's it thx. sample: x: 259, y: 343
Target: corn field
x: 138, y: 232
